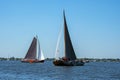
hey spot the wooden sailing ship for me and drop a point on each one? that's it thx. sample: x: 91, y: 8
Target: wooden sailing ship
x: 70, y: 58
x: 34, y: 54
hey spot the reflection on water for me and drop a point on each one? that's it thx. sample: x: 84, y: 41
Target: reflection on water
x: 15, y: 70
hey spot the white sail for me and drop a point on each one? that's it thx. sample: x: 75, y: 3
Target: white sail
x: 42, y: 56
x: 58, y: 44
x: 37, y: 49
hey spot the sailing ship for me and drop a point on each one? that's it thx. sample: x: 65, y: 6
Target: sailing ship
x: 69, y: 58
x: 34, y: 54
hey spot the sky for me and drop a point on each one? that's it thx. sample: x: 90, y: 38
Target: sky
x: 94, y: 26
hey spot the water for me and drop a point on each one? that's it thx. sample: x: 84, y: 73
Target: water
x: 15, y: 70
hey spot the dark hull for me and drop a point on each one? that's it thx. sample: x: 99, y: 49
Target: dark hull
x: 67, y: 63
x: 32, y: 61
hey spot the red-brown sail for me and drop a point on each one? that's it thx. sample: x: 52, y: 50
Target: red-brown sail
x: 31, y: 54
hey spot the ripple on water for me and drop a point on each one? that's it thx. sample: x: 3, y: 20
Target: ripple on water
x: 15, y: 70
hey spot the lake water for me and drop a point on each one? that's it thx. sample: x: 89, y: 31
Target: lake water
x: 15, y: 70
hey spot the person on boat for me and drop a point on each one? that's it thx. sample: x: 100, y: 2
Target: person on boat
x: 65, y: 59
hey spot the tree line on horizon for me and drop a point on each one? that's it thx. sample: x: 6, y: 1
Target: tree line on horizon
x: 85, y: 59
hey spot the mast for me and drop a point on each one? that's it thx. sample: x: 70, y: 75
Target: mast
x: 69, y: 51
x: 31, y: 54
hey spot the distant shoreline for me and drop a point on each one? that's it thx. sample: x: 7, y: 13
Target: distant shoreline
x: 84, y: 59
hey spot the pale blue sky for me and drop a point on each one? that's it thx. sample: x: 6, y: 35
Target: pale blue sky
x: 94, y: 26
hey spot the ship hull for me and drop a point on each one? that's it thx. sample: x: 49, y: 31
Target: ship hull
x: 32, y: 61
x: 67, y: 63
